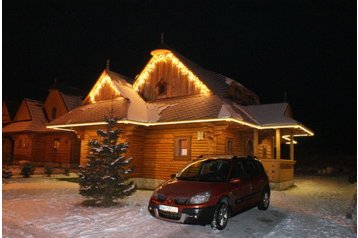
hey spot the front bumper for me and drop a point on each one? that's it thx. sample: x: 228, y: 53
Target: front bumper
x: 186, y: 215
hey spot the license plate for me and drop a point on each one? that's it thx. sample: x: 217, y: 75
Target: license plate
x: 168, y: 208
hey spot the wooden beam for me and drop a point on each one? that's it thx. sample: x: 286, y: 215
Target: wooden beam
x: 278, y: 144
x: 256, y: 142
x: 292, y: 152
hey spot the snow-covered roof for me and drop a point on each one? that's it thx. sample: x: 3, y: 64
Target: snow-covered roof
x: 217, y: 83
x: 71, y: 101
x: 95, y: 112
x: 36, y: 123
x: 131, y: 107
x: 271, y: 114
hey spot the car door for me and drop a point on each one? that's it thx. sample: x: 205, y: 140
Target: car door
x: 240, y: 185
x: 257, y: 181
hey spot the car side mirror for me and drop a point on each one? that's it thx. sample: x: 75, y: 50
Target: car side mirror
x: 235, y: 180
x: 173, y: 176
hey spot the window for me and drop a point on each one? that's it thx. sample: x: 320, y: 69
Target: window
x: 53, y: 113
x: 182, y: 148
x: 255, y: 168
x: 162, y: 88
x: 239, y: 170
x: 22, y: 142
x: 229, y: 146
x: 249, y: 148
x: 209, y: 171
x: 56, y: 144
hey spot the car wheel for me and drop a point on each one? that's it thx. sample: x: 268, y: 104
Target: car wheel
x: 265, y: 200
x: 221, y: 215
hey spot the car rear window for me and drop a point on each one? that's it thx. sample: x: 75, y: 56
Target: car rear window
x: 207, y: 170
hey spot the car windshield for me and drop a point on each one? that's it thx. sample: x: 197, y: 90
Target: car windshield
x: 207, y: 170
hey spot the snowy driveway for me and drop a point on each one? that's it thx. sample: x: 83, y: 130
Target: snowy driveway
x: 39, y: 207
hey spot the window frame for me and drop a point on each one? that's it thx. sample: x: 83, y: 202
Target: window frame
x: 227, y: 140
x: 56, y: 144
x: 177, y: 140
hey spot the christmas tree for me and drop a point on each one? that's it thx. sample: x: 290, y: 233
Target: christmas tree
x: 104, y: 178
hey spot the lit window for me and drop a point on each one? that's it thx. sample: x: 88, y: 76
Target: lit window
x: 22, y: 142
x: 56, y: 144
x: 182, y: 148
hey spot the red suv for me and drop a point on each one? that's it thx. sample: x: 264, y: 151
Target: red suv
x: 209, y: 190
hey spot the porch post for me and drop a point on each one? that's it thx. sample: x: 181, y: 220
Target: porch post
x: 256, y: 142
x: 292, y: 152
x: 278, y: 144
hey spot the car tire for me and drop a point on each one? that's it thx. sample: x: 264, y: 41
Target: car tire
x: 221, y: 215
x: 265, y: 200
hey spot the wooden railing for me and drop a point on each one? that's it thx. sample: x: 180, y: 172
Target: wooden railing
x: 279, y: 170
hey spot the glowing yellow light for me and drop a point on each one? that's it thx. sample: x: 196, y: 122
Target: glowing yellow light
x: 164, y: 56
x: 309, y: 133
x: 102, y: 81
x: 288, y: 138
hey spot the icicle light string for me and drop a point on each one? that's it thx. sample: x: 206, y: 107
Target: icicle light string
x: 168, y: 56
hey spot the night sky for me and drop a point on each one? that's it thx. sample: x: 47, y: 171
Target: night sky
x: 304, y: 48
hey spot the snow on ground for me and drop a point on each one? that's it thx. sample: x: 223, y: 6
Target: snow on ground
x: 43, y: 207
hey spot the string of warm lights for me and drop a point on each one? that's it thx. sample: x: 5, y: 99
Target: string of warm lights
x: 104, y: 80
x: 165, y: 57
x: 300, y: 127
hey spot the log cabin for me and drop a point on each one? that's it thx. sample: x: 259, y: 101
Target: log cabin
x: 176, y: 111
x: 7, y: 142
x: 28, y: 139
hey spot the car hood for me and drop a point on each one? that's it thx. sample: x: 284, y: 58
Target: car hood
x: 184, y: 188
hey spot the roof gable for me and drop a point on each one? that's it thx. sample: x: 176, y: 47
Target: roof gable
x: 6, y: 118
x: 166, y: 70
x: 23, y: 113
x: 54, y: 105
x: 30, y: 117
x: 71, y: 101
x: 106, y: 87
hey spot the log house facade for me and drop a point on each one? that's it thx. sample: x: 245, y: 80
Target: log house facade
x: 176, y: 111
x: 31, y: 141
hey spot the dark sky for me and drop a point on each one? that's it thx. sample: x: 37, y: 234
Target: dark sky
x: 305, y: 48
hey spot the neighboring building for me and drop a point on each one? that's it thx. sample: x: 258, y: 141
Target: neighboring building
x: 7, y: 142
x: 176, y: 111
x: 32, y: 141
x: 6, y: 118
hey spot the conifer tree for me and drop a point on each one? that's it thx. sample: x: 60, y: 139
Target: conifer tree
x: 104, y: 178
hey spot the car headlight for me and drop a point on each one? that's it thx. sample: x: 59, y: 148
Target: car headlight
x: 200, y: 198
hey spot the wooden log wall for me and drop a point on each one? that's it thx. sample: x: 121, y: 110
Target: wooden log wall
x: 22, y: 153
x: 266, y: 144
x: 152, y: 148
x: 39, y: 148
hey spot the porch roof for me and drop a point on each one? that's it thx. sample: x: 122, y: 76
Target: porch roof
x: 271, y: 114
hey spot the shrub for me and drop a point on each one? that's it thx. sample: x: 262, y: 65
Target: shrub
x: 48, y: 170
x: 27, y: 170
x: 6, y: 173
x: 66, y: 171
